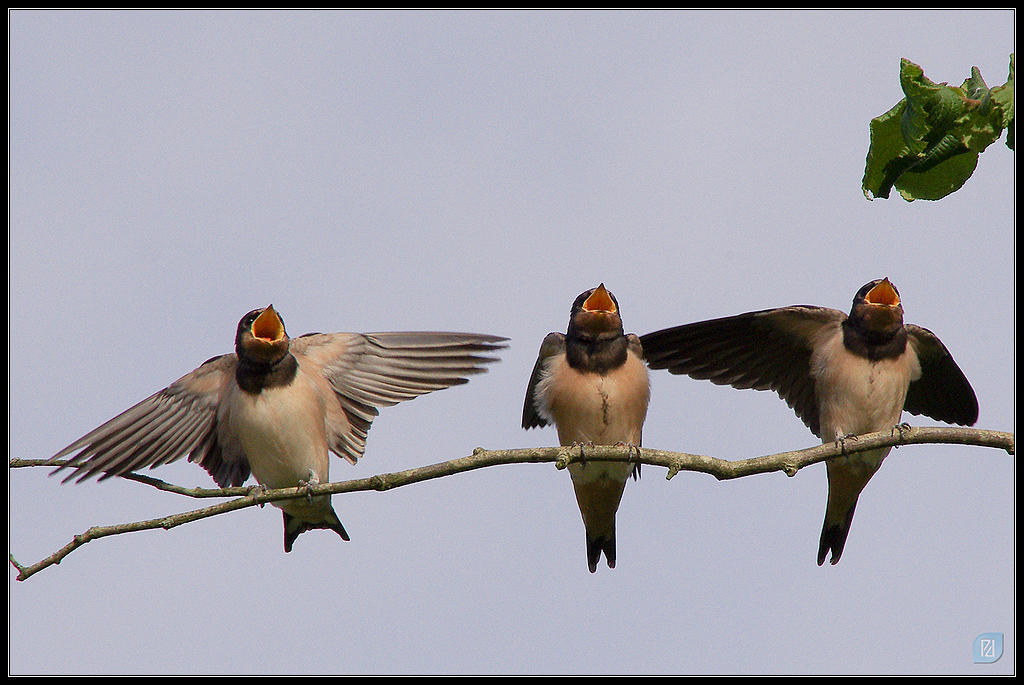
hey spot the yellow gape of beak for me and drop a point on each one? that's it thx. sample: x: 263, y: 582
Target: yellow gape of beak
x: 600, y: 301
x: 268, y: 325
x: 883, y: 293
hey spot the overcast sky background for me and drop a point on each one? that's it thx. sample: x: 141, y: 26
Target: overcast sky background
x: 369, y: 171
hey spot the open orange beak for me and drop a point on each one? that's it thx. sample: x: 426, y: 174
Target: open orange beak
x: 600, y: 301
x: 268, y: 326
x: 883, y: 293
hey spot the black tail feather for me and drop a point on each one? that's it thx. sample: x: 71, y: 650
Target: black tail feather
x: 294, y: 527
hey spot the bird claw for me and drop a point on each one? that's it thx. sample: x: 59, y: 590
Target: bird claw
x: 841, y: 441
x: 632, y: 451
x: 309, y: 483
x: 582, y: 446
x: 259, y: 486
x: 902, y: 428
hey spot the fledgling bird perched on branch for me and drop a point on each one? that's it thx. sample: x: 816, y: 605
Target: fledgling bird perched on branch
x: 277, y: 406
x: 592, y: 384
x: 842, y: 375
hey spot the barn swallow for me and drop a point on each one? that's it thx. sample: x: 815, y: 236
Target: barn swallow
x: 277, y: 407
x: 592, y: 384
x: 842, y: 375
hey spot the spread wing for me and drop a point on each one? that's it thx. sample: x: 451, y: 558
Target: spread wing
x: 769, y: 349
x: 373, y: 370
x: 359, y: 373
x: 942, y: 392
x: 178, y: 420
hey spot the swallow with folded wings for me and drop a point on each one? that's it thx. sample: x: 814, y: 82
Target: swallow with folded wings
x: 277, y: 407
x: 842, y: 374
x: 591, y: 383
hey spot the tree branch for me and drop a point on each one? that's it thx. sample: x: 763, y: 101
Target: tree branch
x: 722, y: 469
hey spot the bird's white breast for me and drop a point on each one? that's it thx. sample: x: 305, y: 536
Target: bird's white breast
x: 281, y: 432
x: 857, y: 395
x: 603, y: 409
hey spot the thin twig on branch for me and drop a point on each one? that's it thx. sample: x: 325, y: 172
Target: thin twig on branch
x: 722, y: 469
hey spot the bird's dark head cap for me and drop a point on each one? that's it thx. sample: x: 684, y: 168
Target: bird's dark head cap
x: 596, y: 311
x: 261, y: 335
x: 877, y: 306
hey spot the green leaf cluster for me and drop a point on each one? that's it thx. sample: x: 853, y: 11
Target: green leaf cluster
x: 927, y: 146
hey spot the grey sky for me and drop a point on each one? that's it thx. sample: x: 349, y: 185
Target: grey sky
x: 366, y: 171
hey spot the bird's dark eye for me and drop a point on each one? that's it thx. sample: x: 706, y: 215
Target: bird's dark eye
x: 248, y: 320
